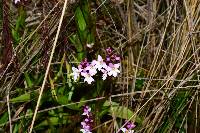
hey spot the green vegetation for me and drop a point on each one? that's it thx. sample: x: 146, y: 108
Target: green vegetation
x: 158, y: 85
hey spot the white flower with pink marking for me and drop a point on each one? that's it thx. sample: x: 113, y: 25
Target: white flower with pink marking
x: 99, y: 64
x: 91, y: 68
x: 105, y: 74
x: 113, y: 69
x: 124, y: 130
x: 16, y: 1
x: 76, y: 73
x: 88, y: 77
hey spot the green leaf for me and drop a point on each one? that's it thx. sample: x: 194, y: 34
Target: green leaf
x: 16, y: 128
x: 4, y: 118
x: 139, y: 84
x: 177, y: 105
x: 19, y: 26
x: 62, y: 100
x: 52, y: 121
x: 73, y: 39
x: 20, y: 23
x: 90, y: 38
x: 107, y: 103
x: 76, y: 42
x: 86, y: 10
x: 28, y: 80
x: 53, y: 91
x: 121, y: 111
x: 39, y: 80
x: 73, y: 107
x: 70, y: 94
x: 60, y: 72
x: 15, y: 36
x: 103, y: 112
x: 81, y: 56
x: 22, y: 98
x: 80, y: 19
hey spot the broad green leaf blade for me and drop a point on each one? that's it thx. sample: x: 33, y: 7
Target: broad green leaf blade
x: 120, y: 111
x: 28, y: 80
x: 80, y: 19
x: 15, y: 36
x: 90, y: 38
x: 4, y: 118
x: 81, y: 56
x: 16, y: 128
x: 22, y: 98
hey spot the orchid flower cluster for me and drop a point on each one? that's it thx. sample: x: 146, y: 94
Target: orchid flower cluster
x: 128, y: 127
x: 107, y: 67
x: 86, y: 124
